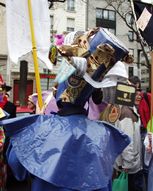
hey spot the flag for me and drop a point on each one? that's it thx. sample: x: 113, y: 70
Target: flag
x: 144, y: 14
x: 19, y: 34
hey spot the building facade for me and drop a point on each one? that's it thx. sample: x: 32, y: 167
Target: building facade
x: 69, y: 16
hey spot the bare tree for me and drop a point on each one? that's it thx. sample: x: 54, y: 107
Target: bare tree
x: 124, y: 9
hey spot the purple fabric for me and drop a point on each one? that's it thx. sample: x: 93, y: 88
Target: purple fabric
x: 51, y: 107
x: 94, y: 110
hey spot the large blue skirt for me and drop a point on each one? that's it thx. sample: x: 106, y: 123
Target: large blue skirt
x: 150, y: 176
x: 64, y: 153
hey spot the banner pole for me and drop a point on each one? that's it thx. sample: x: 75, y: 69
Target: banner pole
x: 35, y: 58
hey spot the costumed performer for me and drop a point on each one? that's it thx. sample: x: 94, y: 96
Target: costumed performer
x: 67, y: 151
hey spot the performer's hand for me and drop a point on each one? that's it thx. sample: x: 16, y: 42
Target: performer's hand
x: 149, y: 149
x: 125, y: 170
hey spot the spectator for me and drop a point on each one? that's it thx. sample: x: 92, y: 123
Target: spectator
x: 127, y: 120
x: 48, y: 101
x: 145, y: 102
x: 17, y: 103
x: 32, y: 103
x: 144, y: 111
x: 6, y: 105
x: 10, y: 108
x: 130, y: 160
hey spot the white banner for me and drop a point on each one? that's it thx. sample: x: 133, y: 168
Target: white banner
x: 19, y: 34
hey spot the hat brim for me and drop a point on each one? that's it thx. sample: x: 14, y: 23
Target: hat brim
x: 7, y: 88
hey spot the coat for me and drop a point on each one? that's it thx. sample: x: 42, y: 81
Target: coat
x: 10, y: 108
x: 130, y: 158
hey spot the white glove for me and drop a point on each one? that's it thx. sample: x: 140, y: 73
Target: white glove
x: 80, y: 64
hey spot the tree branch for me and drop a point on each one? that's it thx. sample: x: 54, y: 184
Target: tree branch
x: 118, y: 5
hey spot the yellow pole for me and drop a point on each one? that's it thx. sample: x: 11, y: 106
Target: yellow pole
x: 35, y: 58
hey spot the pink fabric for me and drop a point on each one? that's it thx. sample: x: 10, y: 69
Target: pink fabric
x: 59, y: 39
x: 95, y: 110
x: 51, y: 107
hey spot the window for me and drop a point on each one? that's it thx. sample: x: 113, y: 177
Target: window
x: 51, y: 21
x: 131, y: 71
x: 144, y: 71
x: 70, y: 24
x: 71, y: 5
x: 131, y: 36
x: 105, y: 14
x: 98, y: 13
x: 107, y: 19
x: 70, y: 29
x: 112, y: 15
x: 45, y: 71
x: 130, y: 19
x: 3, y: 60
x: 131, y: 51
x: 141, y: 57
